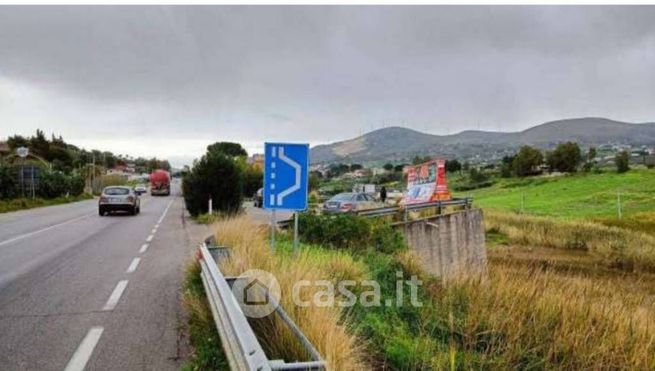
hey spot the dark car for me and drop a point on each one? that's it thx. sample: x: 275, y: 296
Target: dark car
x: 118, y: 198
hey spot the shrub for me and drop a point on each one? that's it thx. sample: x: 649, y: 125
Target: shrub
x: 8, y: 183
x: 565, y: 158
x: 75, y: 185
x: 346, y: 231
x: 527, y: 161
x: 52, y: 184
x: 218, y: 176
x: 622, y: 162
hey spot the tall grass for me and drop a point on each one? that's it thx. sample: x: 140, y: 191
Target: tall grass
x: 324, y: 326
x: 617, y: 247
x: 524, y: 316
x: 528, y: 317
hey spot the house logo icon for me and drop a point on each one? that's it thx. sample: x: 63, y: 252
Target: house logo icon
x: 257, y: 292
x: 254, y: 293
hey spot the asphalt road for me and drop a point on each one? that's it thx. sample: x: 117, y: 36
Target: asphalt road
x: 80, y: 291
x: 263, y: 216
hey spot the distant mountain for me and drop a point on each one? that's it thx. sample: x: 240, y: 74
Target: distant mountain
x: 397, y: 144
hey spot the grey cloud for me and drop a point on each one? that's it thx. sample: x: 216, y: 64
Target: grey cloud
x: 327, y: 73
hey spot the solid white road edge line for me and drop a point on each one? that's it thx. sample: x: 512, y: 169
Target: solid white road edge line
x: 115, y: 296
x: 143, y: 249
x: 133, y: 265
x: 43, y: 230
x: 84, y: 350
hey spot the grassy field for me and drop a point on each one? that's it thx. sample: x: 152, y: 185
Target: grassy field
x: 538, y: 308
x: 572, y: 196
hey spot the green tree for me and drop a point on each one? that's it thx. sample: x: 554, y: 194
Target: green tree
x: 527, y: 161
x: 477, y: 176
x: 591, y: 154
x: 565, y: 157
x: 253, y: 179
x: 314, y: 181
x: 17, y: 141
x: 354, y: 167
x: 506, y: 166
x: 39, y: 145
x: 453, y: 166
x: 217, y: 175
x: 622, y: 161
x: 399, y: 168
x: 8, y: 182
x: 388, y: 166
x: 227, y: 148
x: 53, y: 184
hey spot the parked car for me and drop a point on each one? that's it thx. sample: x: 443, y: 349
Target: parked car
x: 350, y: 202
x: 140, y: 189
x: 119, y: 198
x: 259, y: 198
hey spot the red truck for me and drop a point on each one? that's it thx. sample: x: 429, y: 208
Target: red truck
x: 160, y: 182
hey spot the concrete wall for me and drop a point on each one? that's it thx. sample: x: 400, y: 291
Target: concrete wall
x: 448, y: 245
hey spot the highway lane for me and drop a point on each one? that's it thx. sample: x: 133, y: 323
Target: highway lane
x: 100, y: 292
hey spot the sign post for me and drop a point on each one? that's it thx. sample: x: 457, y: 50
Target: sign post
x: 23, y: 152
x: 286, y: 169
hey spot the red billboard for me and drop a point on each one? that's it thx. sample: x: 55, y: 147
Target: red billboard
x: 426, y: 182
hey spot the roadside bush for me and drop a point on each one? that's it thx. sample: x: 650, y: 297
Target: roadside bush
x: 349, y: 232
x: 52, y: 184
x: 218, y: 176
x: 75, y: 185
x: 8, y: 183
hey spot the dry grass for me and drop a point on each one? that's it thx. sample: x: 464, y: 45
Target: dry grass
x: 323, y: 326
x: 617, y: 247
x: 535, y: 318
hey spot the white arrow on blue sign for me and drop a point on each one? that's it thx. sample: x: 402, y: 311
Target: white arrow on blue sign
x: 286, y: 167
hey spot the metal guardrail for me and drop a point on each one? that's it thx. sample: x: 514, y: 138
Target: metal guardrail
x: 392, y: 210
x: 242, y: 349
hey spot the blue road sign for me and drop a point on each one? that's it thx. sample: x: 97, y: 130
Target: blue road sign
x: 285, y: 176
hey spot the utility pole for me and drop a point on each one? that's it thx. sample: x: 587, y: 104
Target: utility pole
x: 93, y: 172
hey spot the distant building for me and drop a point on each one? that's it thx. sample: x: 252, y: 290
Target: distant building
x: 125, y: 170
x: 4, y: 148
x: 256, y: 160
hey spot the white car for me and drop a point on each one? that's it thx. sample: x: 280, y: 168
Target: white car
x: 140, y: 189
x: 119, y: 198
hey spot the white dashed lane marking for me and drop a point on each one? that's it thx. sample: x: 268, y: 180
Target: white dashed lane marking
x: 133, y: 265
x: 115, y: 296
x: 143, y: 249
x: 84, y: 350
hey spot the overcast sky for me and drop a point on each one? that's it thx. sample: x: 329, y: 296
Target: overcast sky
x: 167, y: 81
